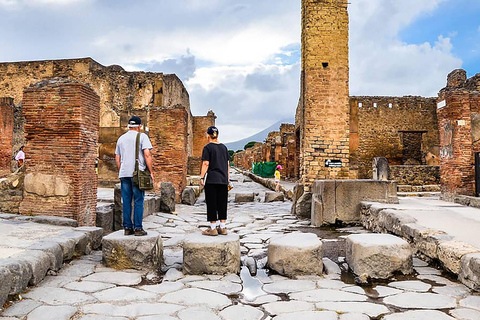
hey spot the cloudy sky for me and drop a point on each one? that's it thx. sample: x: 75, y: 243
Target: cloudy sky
x: 242, y: 58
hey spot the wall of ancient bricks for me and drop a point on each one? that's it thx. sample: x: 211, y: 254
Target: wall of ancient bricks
x: 384, y: 126
x: 459, y: 126
x: 62, y: 118
x: 325, y: 91
x: 168, y: 134
x: 414, y: 175
x: 200, y: 126
x: 122, y: 94
x: 6, y: 133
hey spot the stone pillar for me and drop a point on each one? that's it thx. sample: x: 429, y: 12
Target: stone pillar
x: 6, y: 132
x: 200, y: 126
x: 380, y: 169
x: 61, y: 126
x: 168, y: 134
x: 325, y: 92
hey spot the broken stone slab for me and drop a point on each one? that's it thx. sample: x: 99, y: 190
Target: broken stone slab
x: 167, y: 197
x: 303, y: 206
x: 378, y: 256
x: 105, y: 217
x: 450, y: 254
x: 57, y: 221
x: 94, y: 234
x: 244, y: 197
x: 470, y: 271
x: 211, y: 255
x: 296, y: 254
x: 188, y: 196
x: 273, y: 196
x: 127, y: 252
x: 331, y: 267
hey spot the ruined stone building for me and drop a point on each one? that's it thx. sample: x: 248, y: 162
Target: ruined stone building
x: 160, y: 100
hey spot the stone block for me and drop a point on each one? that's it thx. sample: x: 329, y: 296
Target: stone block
x: 323, y: 211
x: 67, y: 245
x: 53, y: 250
x: 151, y: 204
x: 19, y: 272
x: 296, y: 254
x: 117, y: 213
x: 40, y: 262
x: 105, y: 217
x: 188, y: 196
x: 341, y: 198
x: 94, y: 234
x: 127, y: 252
x: 470, y: 271
x: 211, y: 255
x: 167, y: 197
x: 463, y: 200
x: 404, y: 188
x: 244, y: 197
x: 380, y: 169
x: 6, y: 283
x: 428, y: 240
x: 432, y: 188
x: 274, y: 196
x: 81, y: 242
x: 56, y: 221
x: 378, y: 256
x: 303, y: 206
x: 450, y: 254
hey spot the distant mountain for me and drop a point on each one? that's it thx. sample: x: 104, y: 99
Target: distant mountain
x: 258, y: 137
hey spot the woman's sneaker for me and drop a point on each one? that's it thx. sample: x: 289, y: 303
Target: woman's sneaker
x: 210, y: 232
x: 222, y: 231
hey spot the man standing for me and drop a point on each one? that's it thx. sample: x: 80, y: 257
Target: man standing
x: 125, y: 158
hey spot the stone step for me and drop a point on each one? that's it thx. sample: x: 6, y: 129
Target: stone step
x: 418, y: 194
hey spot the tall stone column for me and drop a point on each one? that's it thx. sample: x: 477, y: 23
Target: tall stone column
x: 61, y: 127
x: 324, y: 149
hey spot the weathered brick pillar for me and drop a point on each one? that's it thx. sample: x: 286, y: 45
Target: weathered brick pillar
x: 6, y: 132
x: 200, y: 126
x: 168, y: 134
x: 325, y: 141
x: 61, y: 126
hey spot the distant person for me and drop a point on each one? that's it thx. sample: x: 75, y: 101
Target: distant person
x: 277, y: 178
x: 20, y: 157
x: 125, y: 158
x: 215, y: 176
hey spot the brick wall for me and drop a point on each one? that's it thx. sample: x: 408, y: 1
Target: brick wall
x: 62, y: 118
x: 200, y: 126
x: 325, y: 92
x: 389, y: 127
x: 168, y: 134
x: 414, y: 175
x: 6, y: 133
x: 459, y: 126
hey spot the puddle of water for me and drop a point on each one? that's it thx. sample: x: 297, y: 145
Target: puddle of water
x: 252, y: 286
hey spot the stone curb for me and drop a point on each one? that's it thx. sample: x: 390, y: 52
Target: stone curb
x: 56, y: 221
x: 29, y: 267
x: 457, y: 257
x: 267, y: 183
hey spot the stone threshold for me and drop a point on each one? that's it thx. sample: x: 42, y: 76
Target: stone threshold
x: 267, y: 183
x: 457, y: 257
x: 30, y: 266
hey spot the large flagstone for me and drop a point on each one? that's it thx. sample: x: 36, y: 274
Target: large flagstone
x: 325, y: 295
x: 413, y: 300
x: 194, y: 296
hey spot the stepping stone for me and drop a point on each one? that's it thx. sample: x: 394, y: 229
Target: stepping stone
x: 130, y: 252
x: 378, y: 256
x: 273, y: 196
x: 419, y: 315
x: 296, y: 254
x: 211, y: 255
x: 244, y: 197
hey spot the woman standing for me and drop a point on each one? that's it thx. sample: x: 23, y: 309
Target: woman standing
x: 215, y: 176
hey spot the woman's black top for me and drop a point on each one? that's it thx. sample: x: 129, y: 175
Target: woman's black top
x: 218, y: 157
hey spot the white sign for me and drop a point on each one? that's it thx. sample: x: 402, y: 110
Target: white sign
x: 441, y: 104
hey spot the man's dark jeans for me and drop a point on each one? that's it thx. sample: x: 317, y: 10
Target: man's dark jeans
x: 129, y: 193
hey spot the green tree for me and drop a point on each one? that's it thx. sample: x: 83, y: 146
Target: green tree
x: 249, y: 145
x: 231, y: 153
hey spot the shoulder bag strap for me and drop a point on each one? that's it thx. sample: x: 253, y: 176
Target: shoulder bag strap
x: 137, y: 146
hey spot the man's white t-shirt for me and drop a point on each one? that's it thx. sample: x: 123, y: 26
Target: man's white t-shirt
x: 126, y: 150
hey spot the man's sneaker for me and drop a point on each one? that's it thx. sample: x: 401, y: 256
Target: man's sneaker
x: 222, y: 231
x: 140, y: 232
x: 128, y: 232
x: 210, y: 232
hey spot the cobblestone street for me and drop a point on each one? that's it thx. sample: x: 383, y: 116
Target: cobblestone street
x: 85, y: 289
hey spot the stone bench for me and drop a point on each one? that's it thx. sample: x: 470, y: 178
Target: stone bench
x: 211, y: 255
x: 296, y: 254
x: 378, y: 256
x: 131, y: 252
x: 271, y: 196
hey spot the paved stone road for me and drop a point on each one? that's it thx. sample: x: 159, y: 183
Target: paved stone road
x: 86, y: 290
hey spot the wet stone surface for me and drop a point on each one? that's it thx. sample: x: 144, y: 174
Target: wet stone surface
x: 87, y: 290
